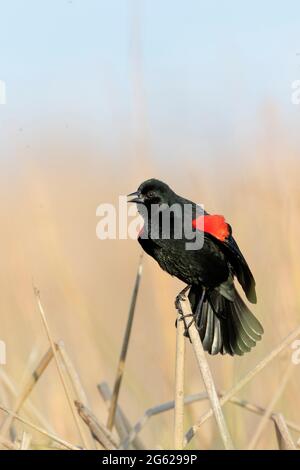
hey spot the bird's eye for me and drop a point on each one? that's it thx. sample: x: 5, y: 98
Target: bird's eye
x: 150, y: 194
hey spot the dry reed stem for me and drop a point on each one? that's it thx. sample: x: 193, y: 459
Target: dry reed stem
x: 285, y: 441
x: 77, y: 387
x: 164, y: 407
x: 100, y: 433
x: 34, y: 377
x: 122, y: 359
x: 58, y: 366
x: 122, y: 424
x: 25, y: 441
x: 269, y: 410
x: 72, y: 374
x: 40, y: 430
x: 155, y: 410
x: 260, y: 411
x: 179, y: 386
x: 185, y: 310
x: 119, y: 422
x: 260, y: 366
x: 8, y: 444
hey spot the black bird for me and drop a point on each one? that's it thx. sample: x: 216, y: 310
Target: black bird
x: 224, y: 322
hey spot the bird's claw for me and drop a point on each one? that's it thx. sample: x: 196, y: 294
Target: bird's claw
x: 186, y: 326
x: 182, y: 317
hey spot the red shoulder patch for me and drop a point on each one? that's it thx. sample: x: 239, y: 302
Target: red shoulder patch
x: 213, y: 224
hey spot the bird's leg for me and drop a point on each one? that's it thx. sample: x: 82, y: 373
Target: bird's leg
x: 195, y: 316
x: 182, y: 318
x: 179, y: 298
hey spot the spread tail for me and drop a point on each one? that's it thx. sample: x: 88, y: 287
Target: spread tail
x: 225, y: 326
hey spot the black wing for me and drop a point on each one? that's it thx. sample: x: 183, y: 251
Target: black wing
x: 241, y: 269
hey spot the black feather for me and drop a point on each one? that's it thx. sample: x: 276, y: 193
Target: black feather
x: 225, y: 326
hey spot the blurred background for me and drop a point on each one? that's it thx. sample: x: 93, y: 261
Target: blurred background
x: 101, y: 95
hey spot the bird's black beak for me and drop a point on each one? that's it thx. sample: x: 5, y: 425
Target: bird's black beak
x: 135, y: 197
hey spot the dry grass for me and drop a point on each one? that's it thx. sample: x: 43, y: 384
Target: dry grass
x: 127, y: 435
x: 86, y: 286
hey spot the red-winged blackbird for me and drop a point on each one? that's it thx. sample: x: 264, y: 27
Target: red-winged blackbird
x: 224, y: 322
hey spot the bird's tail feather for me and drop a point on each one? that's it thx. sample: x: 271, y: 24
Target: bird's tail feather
x: 226, y: 327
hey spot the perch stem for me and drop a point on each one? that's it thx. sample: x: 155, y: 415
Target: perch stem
x: 179, y: 386
x: 185, y: 308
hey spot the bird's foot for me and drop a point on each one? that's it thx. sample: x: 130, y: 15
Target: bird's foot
x: 182, y: 318
x: 186, y: 325
x: 181, y: 297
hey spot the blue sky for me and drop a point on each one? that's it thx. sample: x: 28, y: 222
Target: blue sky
x: 207, y: 68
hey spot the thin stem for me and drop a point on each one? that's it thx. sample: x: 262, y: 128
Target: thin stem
x: 61, y: 375
x: 34, y: 377
x: 28, y: 406
x: 284, y: 438
x: 184, y: 306
x: 102, y: 435
x: 74, y: 378
x: 121, y: 364
x: 155, y: 410
x: 189, y: 399
x: 122, y: 424
x: 270, y: 408
x: 40, y: 430
x: 179, y: 386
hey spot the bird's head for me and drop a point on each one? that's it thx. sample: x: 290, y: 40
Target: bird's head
x: 152, y: 192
